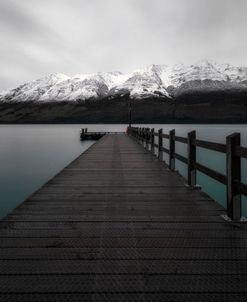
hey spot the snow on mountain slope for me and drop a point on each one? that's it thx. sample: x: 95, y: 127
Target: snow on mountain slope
x: 84, y: 86
x: 79, y: 87
x: 236, y: 74
x: 143, y: 83
x: 179, y: 74
x: 203, y: 70
x: 152, y: 81
x: 35, y: 89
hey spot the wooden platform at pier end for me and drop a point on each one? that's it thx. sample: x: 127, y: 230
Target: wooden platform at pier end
x: 117, y: 225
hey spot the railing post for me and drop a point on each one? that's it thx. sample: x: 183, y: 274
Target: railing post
x: 160, y: 151
x: 152, y: 140
x: 172, y: 149
x: 233, y: 168
x: 147, y: 138
x: 191, y: 159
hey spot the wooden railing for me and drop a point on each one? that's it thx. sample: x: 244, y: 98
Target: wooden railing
x: 234, y: 152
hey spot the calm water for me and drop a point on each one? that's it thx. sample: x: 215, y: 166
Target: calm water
x: 32, y: 154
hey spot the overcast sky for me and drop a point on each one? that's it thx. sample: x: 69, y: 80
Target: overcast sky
x: 40, y: 37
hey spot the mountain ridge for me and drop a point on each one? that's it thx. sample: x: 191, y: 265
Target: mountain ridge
x: 155, y: 81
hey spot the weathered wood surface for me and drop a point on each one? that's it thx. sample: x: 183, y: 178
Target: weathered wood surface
x: 118, y: 225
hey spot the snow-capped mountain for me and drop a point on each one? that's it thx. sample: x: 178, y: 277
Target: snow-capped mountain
x: 160, y: 81
x: 34, y: 90
x: 143, y: 83
x: 79, y: 87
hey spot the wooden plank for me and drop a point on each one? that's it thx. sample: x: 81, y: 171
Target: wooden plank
x: 181, y: 158
x: 118, y: 225
x: 166, y: 136
x: 167, y: 151
x: 210, y: 145
x: 181, y: 139
x: 240, y: 151
x: 243, y: 189
x: 84, y: 267
x: 211, y: 173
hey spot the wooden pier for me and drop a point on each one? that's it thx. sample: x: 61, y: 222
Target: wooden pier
x: 85, y: 135
x: 118, y: 225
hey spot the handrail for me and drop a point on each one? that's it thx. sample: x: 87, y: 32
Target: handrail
x: 165, y: 136
x: 181, y: 158
x: 211, y: 173
x: 234, y: 152
x: 210, y: 145
x: 165, y: 150
x: 181, y: 139
x: 243, y: 189
x: 240, y: 151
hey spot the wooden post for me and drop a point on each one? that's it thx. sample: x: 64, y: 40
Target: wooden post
x: 152, y: 140
x: 191, y: 159
x: 233, y: 168
x: 160, y: 151
x: 129, y: 109
x: 147, y: 138
x: 172, y: 149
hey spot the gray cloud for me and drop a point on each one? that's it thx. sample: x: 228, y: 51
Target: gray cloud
x: 42, y: 37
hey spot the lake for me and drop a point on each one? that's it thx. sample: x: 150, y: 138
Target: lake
x: 30, y: 155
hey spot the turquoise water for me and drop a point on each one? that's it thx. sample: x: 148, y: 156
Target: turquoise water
x: 32, y: 154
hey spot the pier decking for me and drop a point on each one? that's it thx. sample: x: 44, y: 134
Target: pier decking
x: 118, y: 225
